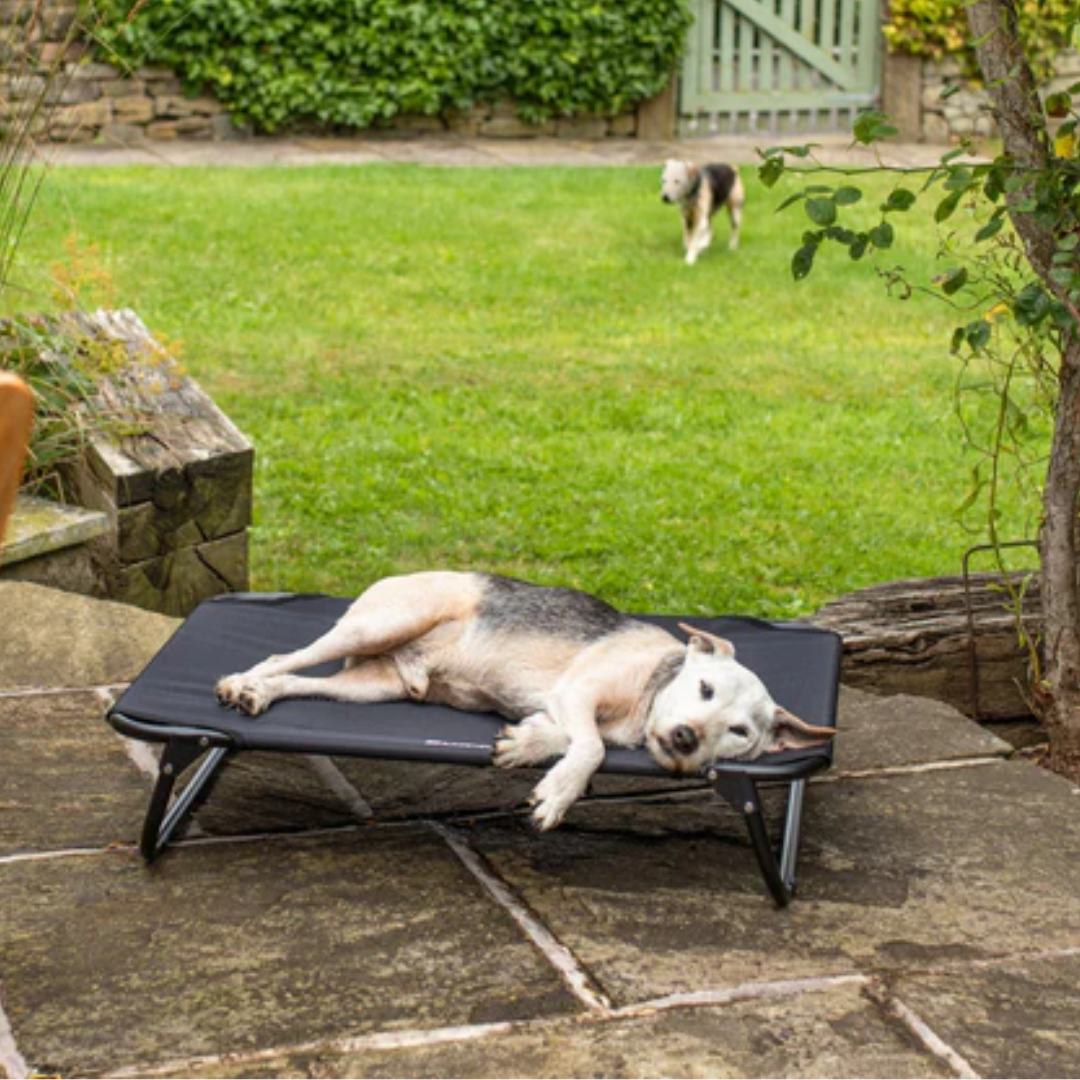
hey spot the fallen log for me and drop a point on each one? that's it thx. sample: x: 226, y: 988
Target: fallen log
x: 942, y: 639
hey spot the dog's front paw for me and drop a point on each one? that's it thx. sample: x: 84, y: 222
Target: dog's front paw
x: 507, y: 752
x: 554, y: 796
x: 547, y: 813
x: 532, y: 741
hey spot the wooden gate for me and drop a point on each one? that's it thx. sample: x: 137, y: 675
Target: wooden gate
x: 779, y: 66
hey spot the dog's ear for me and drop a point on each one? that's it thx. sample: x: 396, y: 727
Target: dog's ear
x: 788, y: 732
x: 704, y: 642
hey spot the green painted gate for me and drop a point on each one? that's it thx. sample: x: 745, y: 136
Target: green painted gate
x: 779, y: 66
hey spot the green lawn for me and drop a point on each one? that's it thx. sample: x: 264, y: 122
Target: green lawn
x: 514, y: 370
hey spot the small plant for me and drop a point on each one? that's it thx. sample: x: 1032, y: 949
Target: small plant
x: 64, y: 362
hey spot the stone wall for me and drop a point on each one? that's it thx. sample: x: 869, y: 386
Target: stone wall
x: 964, y: 112
x: 932, y: 101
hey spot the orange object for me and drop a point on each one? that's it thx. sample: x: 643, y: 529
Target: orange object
x: 16, y: 420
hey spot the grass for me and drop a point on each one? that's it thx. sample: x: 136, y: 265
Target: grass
x: 514, y: 370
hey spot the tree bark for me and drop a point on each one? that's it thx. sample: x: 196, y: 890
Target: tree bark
x: 1022, y: 124
x: 1059, y: 551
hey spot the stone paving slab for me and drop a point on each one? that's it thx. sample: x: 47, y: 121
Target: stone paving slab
x: 257, y: 792
x: 900, y: 731
x: 1020, y: 1019
x: 835, y: 1033
x: 65, y: 778
x: 894, y: 872
x: 54, y: 639
x: 469, y: 152
x: 230, y: 948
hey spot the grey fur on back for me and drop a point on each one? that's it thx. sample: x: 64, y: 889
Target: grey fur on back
x: 519, y: 607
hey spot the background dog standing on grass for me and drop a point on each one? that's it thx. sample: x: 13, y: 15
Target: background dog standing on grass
x: 573, y: 673
x: 699, y: 192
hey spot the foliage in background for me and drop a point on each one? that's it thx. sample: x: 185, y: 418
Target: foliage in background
x: 1012, y: 324
x: 357, y: 64
x: 1010, y: 253
x: 938, y: 29
x: 43, y: 340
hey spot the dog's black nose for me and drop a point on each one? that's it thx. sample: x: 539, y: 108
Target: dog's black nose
x: 664, y: 198
x: 684, y: 739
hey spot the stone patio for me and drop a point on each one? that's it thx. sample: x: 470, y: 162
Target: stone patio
x: 345, y: 918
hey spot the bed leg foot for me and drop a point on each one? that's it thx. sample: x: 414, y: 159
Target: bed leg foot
x: 743, y: 795
x: 163, y: 819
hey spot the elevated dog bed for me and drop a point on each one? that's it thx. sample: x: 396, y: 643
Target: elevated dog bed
x: 173, y: 702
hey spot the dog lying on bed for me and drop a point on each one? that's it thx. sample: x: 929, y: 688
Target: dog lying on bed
x: 571, y: 671
x: 699, y: 191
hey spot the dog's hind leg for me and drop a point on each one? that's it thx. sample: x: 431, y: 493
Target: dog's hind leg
x: 365, y: 682
x: 735, y: 214
x: 734, y: 209
x: 391, y: 613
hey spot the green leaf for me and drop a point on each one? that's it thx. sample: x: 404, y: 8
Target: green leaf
x: 871, y: 126
x: 882, y: 236
x: 900, y: 199
x: 770, y: 170
x: 847, y: 196
x: 1031, y: 306
x: 859, y: 246
x: 802, y: 262
x: 953, y: 281
x: 947, y: 206
x: 1058, y: 105
x: 790, y: 200
x: 978, y: 334
x: 991, y: 228
x: 821, y: 211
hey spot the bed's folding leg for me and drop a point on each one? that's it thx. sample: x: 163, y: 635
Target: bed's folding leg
x: 742, y: 793
x: 162, y: 820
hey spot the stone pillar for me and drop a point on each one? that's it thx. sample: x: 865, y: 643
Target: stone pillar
x: 656, y: 117
x: 901, y: 94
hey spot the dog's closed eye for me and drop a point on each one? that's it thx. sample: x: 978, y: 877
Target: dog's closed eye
x: 740, y: 731
x: 707, y: 691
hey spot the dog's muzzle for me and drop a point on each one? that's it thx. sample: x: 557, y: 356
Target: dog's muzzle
x: 664, y: 197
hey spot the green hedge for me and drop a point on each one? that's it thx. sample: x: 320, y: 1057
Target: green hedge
x: 358, y: 63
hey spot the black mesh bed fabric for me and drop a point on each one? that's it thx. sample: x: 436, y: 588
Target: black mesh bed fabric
x: 174, y: 696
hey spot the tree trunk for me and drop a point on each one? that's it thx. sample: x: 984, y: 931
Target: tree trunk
x: 1060, y: 590
x: 1022, y: 124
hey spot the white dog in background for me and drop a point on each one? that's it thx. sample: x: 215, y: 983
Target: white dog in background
x: 699, y: 191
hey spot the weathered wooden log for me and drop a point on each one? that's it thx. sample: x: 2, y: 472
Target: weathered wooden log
x: 937, y: 638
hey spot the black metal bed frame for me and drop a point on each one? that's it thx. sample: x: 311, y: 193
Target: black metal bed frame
x: 197, y: 749
x: 203, y: 753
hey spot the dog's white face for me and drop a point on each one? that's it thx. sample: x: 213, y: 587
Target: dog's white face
x: 675, y: 180
x: 716, y: 708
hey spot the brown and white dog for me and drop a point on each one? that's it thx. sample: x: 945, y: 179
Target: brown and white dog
x: 699, y: 191
x: 571, y: 671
